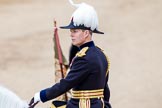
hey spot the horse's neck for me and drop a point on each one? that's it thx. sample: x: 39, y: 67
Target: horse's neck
x: 8, y: 99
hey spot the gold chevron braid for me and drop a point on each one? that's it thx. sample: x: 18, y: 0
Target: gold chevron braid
x: 88, y: 94
x: 87, y: 91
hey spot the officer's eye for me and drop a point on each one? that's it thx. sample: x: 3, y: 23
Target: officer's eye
x: 73, y: 30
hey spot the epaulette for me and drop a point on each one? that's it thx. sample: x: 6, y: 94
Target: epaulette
x: 82, y: 52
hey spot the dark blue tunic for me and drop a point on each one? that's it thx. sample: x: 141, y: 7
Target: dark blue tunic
x: 87, y: 72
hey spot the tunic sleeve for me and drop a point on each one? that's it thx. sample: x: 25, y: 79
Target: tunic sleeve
x: 78, y: 72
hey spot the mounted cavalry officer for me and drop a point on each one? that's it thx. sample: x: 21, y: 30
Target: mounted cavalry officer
x: 89, y: 70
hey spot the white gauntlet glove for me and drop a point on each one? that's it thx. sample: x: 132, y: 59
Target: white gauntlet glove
x: 34, y: 100
x: 37, y: 97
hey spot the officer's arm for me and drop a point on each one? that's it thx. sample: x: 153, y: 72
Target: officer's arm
x: 106, y: 90
x: 107, y: 94
x: 77, y: 74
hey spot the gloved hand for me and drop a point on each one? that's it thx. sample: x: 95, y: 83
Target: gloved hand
x: 34, y: 101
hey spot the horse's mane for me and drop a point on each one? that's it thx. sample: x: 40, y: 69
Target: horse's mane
x: 8, y: 99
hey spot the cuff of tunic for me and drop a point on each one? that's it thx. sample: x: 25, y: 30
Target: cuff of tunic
x: 43, y: 96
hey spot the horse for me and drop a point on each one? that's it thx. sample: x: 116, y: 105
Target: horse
x: 9, y: 99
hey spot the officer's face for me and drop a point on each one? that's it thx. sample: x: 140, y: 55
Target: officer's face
x: 78, y: 36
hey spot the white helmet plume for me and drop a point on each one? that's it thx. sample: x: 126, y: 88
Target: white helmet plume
x: 84, y: 17
x: 72, y: 3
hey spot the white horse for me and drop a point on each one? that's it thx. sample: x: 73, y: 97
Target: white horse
x: 8, y: 99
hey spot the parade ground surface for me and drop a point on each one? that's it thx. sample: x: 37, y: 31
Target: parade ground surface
x: 132, y: 40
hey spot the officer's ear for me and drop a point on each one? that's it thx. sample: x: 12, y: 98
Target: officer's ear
x: 86, y: 33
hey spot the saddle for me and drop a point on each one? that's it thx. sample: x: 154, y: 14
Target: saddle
x: 58, y: 104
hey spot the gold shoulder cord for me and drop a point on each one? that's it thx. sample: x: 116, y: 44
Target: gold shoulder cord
x: 108, y: 67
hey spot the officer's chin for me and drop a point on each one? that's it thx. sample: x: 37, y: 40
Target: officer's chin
x: 74, y: 43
